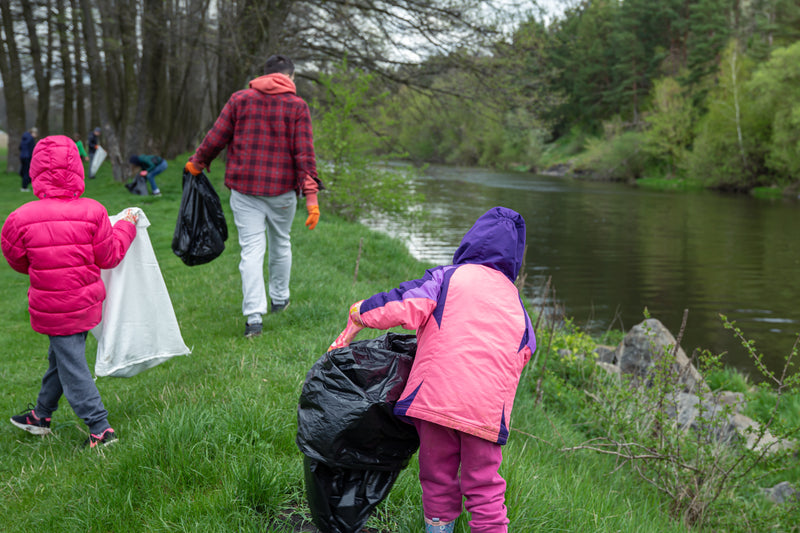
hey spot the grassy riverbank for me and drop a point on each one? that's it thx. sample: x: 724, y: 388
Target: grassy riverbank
x: 207, y: 440
x: 622, y: 158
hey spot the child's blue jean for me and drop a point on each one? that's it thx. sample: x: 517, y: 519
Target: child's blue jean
x: 69, y: 375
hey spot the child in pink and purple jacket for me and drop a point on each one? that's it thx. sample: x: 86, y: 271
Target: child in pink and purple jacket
x: 474, y: 337
x: 62, y: 241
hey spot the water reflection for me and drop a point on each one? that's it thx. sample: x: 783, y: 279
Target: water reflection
x: 612, y: 251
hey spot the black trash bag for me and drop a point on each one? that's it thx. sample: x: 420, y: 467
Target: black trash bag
x: 341, y: 500
x: 201, y: 230
x: 138, y: 186
x: 355, y: 446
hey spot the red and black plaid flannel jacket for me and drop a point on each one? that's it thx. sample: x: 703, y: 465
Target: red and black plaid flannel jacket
x: 270, y: 143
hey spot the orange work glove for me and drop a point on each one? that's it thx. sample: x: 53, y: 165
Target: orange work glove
x: 354, y: 325
x: 193, y: 169
x: 313, y: 216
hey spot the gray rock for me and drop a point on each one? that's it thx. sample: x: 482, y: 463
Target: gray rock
x: 608, y: 367
x: 711, y: 416
x: 782, y: 492
x: 606, y: 354
x: 648, y: 342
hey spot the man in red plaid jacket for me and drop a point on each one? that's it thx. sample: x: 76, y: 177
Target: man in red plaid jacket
x: 270, y: 161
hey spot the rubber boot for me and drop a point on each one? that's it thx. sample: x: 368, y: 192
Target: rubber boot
x: 434, y: 525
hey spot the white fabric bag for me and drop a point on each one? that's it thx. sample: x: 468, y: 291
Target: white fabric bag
x: 139, y: 329
x: 97, y: 160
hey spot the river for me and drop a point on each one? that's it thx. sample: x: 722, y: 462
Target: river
x: 612, y: 251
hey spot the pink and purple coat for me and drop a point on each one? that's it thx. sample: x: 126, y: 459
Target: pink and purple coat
x: 473, y: 334
x: 62, y: 241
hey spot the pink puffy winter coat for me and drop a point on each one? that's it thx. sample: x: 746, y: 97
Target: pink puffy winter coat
x: 62, y: 241
x: 474, y: 336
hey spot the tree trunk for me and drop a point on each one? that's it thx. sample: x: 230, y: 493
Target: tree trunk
x: 736, y: 106
x: 66, y: 67
x: 41, y: 70
x: 96, y: 96
x: 191, y: 84
x: 80, y: 89
x: 11, y: 70
x: 152, y: 106
x: 99, y: 102
x: 114, y: 85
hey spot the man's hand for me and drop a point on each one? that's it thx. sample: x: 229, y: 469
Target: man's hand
x: 192, y: 169
x: 313, y: 216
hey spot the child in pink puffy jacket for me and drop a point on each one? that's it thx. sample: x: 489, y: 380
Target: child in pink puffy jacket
x: 474, y: 337
x: 62, y: 241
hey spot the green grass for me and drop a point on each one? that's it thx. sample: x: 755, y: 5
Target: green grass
x: 761, y: 401
x: 207, y: 441
x: 667, y: 184
x: 769, y: 193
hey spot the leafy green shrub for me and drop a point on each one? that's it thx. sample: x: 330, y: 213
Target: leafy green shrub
x: 727, y: 379
x: 730, y: 141
x: 669, y: 131
x: 564, y: 148
x: 763, y: 404
x: 357, y: 182
x: 700, y: 474
x: 774, y: 87
x: 619, y: 159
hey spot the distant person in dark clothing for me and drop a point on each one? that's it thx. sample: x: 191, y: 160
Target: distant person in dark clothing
x: 152, y: 166
x: 94, y: 143
x: 26, y: 145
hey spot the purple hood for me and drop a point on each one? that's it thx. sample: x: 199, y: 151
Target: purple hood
x: 496, y: 240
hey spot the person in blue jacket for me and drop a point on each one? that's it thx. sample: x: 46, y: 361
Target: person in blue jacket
x: 26, y: 145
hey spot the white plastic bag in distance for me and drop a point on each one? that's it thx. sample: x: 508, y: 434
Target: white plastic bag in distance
x: 139, y: 329
x: 97, y: 160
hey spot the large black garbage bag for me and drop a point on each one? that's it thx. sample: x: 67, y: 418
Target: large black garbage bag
x: 201, y: 229
x: 354, y: 446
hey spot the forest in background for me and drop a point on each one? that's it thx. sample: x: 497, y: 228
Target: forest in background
x: 618, y: 90
x: 154, y: 74
x: 705, y: 89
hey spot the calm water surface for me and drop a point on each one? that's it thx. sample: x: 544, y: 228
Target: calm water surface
x: 613, y: 250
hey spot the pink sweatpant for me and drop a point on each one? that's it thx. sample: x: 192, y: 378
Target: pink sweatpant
x: 441, y: 451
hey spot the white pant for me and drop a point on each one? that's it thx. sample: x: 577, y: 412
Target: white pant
x: 253, y: 215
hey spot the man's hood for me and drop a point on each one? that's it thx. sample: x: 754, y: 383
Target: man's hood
x: 274, y: 84
x: 56, y: 168
x: 496, y: 240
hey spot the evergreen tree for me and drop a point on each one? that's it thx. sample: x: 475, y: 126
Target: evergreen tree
x: 709, y: 30
x: 584, y: 57
x: 767, y: 24
x: 631, y: 63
